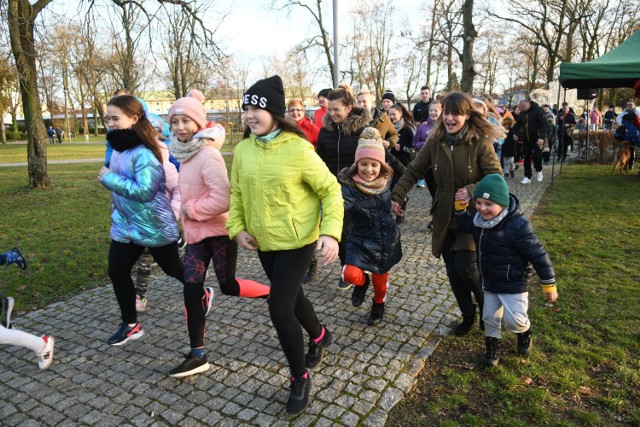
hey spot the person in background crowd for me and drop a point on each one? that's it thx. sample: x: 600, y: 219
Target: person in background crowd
x: 630, y: 108
x: 388, y: 99
x: 551, y: 134
x: 609, y: 118
x: 421, y: 109
x: 296, y: 110
x: 380, y: 119
x: 319, y: 114
x: 51, y: 133
x: 531, y: 129
x: 595, y: 118
x: 566, y: 124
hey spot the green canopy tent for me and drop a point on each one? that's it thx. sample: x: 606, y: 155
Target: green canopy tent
x: 620, y: 67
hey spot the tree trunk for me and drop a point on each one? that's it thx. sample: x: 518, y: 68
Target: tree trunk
x: 21, y: 20
x: 470, y: 34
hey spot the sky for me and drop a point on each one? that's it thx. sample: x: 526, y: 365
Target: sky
x: 253, y: 29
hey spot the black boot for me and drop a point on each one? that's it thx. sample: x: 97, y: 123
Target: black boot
x: 299, y: 395
x: 491, y: 355
x: 524, y: 342
x: 316, y: 350
x: 377, y: 313
x: 312, y: 272
x: 465, y: 326
x: 359, y: 292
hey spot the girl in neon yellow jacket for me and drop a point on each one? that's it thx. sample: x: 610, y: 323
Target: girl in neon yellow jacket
x: 277, y: 185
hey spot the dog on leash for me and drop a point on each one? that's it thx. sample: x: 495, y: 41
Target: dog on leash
x: 621, y: 157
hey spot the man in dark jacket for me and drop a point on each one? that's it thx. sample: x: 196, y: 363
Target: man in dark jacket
x: 531, y: 129
x: 421, y: 109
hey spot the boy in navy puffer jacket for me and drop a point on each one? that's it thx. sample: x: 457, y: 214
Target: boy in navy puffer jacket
x: 505, y: 244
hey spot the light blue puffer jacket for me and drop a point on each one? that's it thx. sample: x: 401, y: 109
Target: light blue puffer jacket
x: 141, y: 212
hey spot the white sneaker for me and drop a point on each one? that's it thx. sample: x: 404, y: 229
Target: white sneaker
x: 539, y: 176
x: 46, y: 356
x: 525, y: 180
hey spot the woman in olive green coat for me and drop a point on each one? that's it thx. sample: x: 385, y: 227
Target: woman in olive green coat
x: 460, y: 152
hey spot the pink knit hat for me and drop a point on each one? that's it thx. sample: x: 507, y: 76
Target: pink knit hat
x: 192, y: 107
x: 370, y: 145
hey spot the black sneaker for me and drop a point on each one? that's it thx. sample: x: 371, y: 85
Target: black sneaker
x: 125, y: 334
x: 377, y: 314
x: 312, y: 272
x: 299, y: 395
x: 359, y: 292
x: 190, y: 366
x: 315, y: 352
x: 524, y: 342
x: 6, y: 307
x: 465, y: 326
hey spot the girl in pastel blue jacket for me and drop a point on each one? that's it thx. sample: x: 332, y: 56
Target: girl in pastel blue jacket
x: 141, y: 213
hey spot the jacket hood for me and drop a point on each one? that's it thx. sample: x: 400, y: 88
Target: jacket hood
x: 358, y: 119
x: 215, y: 133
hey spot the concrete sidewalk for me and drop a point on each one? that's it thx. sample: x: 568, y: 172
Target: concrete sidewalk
x: 366, y: 372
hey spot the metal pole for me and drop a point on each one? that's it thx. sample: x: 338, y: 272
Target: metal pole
x: 336, y: 46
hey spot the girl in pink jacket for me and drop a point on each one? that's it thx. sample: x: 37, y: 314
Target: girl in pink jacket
x: 204, y: 193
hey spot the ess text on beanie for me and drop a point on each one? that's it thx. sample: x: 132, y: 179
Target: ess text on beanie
x: 191, y: 106
x: 370, y: 146
x: 267, y: 94
x: 493, y: 187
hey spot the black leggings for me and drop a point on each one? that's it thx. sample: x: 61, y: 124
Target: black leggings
x: 223, y: 252
x: 288, y: 306
x: 464, y: 277
x: 122, y: 258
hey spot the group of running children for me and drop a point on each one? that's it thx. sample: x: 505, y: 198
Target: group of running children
x: 284, y: 203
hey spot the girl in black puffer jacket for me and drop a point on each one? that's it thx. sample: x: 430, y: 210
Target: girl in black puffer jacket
x: 373, y: 239
x: 505, y: 244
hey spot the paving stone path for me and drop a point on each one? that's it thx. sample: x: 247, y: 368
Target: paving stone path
x: 367, y: 370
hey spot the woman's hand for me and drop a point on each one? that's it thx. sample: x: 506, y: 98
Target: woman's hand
x: 246, y: 241
x: 397, y: 147
x: 396, y: 209
x: 327, y: 248
x: 386, y: 144
x: 463, y: 195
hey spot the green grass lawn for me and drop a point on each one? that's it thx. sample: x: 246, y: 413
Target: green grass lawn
x: 584, y: 368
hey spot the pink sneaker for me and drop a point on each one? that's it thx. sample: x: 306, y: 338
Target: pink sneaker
x: 141, y: 304
x: 208, y: 294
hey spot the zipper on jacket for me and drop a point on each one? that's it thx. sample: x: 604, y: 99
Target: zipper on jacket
x: 479, y: 255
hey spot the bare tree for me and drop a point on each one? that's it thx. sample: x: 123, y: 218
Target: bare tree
x: 374, y: 21
x: 468, y: 37
x: 321, y: 40
x: 21, y: 20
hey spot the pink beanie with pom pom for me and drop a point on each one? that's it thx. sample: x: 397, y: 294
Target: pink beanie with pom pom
x: 192, y: 107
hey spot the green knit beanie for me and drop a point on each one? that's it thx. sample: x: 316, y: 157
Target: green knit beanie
x: 493, y: 187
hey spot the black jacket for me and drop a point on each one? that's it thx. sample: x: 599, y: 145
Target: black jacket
x: 405, y: 141
x: 503, y: 252
x: 337, y: 143
x: 373, y: 238
x: 532, y: 124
